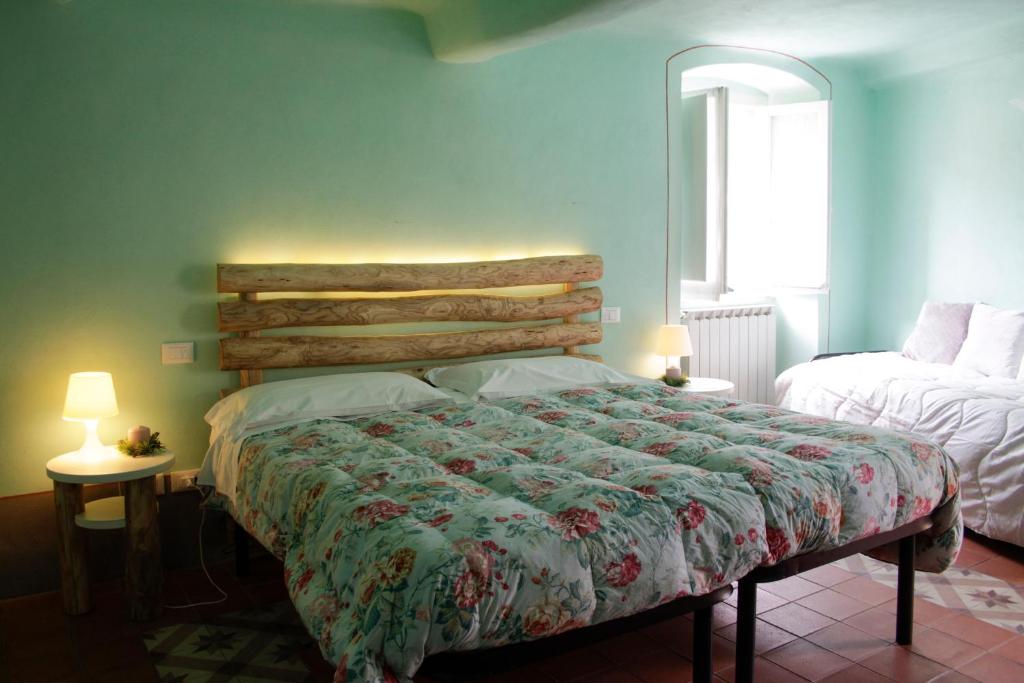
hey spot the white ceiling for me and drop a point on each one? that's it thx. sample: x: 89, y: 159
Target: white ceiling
x: 884, y: 35
x: 817, y: 28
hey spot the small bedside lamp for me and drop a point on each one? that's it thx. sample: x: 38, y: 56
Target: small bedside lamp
x: 90, y: 397
x: 673, y: 342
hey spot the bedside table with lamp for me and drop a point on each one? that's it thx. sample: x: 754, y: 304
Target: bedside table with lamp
x: 90, y: 397
x: 674, y: 343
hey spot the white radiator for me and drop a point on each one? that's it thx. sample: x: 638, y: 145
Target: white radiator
x: 736, y: 343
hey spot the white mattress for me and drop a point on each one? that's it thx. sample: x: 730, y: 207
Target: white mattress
x: 978, y: 419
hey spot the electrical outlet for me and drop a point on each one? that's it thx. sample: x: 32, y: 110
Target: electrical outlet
x: 177, y: 353
x: 183, y: 480
x: 611, y: 315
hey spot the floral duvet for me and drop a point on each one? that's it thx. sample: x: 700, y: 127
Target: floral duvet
x: 478, y: 525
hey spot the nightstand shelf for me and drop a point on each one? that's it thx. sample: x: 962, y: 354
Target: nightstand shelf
x: 104, y: 513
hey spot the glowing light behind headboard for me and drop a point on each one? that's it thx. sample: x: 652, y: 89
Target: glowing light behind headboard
x: 388, y: 254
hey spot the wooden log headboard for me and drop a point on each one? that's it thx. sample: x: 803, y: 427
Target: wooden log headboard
x: 250, y: 354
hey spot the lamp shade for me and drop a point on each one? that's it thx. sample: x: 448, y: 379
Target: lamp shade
x: 674, y: 341
x: 90, y: 396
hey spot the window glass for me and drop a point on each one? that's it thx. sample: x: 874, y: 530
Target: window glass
x: 752, y: 199
x: 777, y: 223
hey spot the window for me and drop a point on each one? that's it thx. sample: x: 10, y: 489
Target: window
x: 754, y: 195
x: 778, y: 196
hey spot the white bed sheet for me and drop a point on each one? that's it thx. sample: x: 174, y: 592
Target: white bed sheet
x: 978, y: 419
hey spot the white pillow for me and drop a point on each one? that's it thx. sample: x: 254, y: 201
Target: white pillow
x: 494, y: 379
x: 342, y: 395
x: 995, y: 342
x: 276, y: 404
x: 939, y: 333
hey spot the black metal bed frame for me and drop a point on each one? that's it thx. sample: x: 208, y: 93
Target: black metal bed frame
x: 465, y: 666
x: 746, y: 607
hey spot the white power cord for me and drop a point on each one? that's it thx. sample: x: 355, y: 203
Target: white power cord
x: 202, y: 563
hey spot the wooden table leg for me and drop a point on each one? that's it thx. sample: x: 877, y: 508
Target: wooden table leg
x: 144, y: 571
x: 72, y: 548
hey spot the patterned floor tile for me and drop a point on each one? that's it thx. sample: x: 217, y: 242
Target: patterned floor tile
x: 963, y: 589
x: 265, y: 643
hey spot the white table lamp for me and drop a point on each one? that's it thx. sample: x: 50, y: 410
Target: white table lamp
x: 673, y: 342
x: 90, y: 398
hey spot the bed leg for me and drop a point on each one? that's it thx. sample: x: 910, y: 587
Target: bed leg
x: 241, y: 551
x: 905, y: 592
x: 702, y: 659
x: 746, y: 623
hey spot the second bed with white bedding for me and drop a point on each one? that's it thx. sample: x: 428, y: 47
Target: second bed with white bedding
x: 978, y: 419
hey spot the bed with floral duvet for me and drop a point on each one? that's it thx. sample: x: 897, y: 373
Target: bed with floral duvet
x: 484, y: 524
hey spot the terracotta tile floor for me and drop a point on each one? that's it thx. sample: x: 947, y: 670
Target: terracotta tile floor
x: 825, y: 625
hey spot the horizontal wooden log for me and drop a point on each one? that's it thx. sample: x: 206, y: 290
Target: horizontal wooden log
x: 420, y: 370
x: 408, y: 277
x: 571, y: 318
x: 237, y: 353
x: 239, y: 316
x: 249, y: 378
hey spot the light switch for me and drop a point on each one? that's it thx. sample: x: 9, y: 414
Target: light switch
x: 611, y: 315
x: 176, y: 353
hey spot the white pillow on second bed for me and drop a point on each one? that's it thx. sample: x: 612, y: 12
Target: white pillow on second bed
x: 510, y: 377
x: 939, y: 332
x: 995, y: 342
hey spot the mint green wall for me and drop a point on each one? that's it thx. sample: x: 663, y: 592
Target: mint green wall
x: 811, y: 323
x: 844, y: 314
x: 947, y: 191
x: 145, y: 142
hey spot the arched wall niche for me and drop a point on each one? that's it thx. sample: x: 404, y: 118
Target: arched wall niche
x: 746, y: 71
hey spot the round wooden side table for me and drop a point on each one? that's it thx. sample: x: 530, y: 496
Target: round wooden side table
x: 710, y: 386
x: 136, y: 511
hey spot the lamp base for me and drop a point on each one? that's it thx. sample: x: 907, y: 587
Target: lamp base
x: 92, y: 448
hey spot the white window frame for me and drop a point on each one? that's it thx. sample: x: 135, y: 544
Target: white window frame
x: 715, y: 285
x: 716, y: 198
